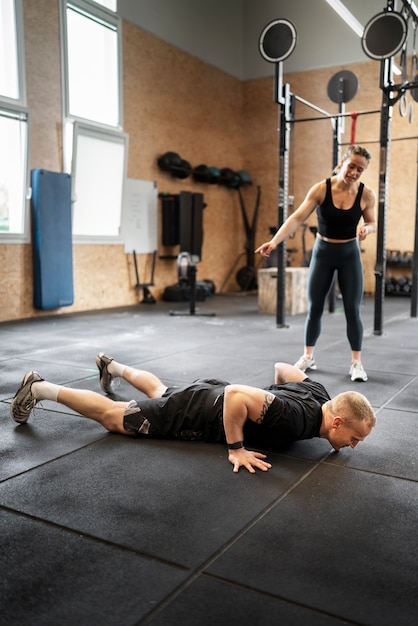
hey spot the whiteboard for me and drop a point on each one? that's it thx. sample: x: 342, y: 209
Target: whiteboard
x: 139, y: 216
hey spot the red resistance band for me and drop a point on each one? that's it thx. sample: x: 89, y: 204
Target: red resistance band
x: 353, y: 128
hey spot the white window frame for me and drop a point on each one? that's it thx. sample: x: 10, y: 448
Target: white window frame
x: 24, y: 116
x: 102, y: 14
x: 20, y: 53
x: 75, y: 126
x: 107, y: 3
x: 16, y: 108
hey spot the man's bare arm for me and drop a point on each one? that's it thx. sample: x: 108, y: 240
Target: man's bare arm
x: 242, y: 402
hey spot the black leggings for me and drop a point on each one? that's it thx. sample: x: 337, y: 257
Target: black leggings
x: 345, y: 258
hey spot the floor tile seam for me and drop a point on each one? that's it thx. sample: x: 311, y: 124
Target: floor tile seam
x: 325, y: 346
x: 287, y: 455
x: 367, y: 332
x: 105, y: 313
x: 403, y: 316
x: 369, y: 471
x: 84, y: 535
x: 198, y: 571
x: 72, y: 344
x: 6, y: 400
x: 396, y: 394
x: 401, y: 410
x: 274, y: 596
x: 95, y: 442
x: 91, y: 372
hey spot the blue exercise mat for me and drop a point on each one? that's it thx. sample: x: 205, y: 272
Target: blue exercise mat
x: 52, y: 240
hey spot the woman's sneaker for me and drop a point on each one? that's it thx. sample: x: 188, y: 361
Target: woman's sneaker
x: 357, y: 372
x: 102, y: 362
x: 23, y: 401
x: 305, y: 363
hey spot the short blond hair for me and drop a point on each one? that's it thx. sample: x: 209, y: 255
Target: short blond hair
x: 353, y: 407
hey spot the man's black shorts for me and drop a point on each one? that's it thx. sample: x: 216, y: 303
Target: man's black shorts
x: 184, y: 412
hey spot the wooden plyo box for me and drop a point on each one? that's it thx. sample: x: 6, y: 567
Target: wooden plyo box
x: 296, y: 280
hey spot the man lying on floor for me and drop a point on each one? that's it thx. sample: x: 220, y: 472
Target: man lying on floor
x: 211, y: 410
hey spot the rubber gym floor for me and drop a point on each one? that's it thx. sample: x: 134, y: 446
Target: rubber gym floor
x: 104, y: 529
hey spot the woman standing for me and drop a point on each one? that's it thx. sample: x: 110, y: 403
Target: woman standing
x: 341, y: 201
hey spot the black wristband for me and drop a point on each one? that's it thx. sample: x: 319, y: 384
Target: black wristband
x: 235, y: 446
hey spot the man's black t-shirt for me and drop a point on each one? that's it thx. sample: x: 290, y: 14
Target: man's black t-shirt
x: 294, y: 414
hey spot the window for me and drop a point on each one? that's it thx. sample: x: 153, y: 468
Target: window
x: 14, y: 127
x: 94, y: 144
x: 12, y: 70
x: 92, y: 64
x: 13, y: 171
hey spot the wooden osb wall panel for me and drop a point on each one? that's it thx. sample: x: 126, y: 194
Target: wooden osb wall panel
x: 177, y: 103
x: 260, y: 136
x: 16, y: 289
x: 43, y: 80
x: 109, y: 283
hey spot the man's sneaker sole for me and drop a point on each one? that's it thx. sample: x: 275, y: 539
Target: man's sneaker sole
x: 102, y: 361
x: 23, y: 401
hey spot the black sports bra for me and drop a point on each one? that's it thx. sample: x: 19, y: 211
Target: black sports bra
x: 335, y: 223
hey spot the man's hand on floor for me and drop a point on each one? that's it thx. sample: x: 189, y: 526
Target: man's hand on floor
x: 248, y: 459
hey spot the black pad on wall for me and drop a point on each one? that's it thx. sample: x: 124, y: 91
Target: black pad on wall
x: 183, y: 222
x: 191, y: 223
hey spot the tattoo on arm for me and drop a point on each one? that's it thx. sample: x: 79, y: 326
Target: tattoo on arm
x: 268, y: 400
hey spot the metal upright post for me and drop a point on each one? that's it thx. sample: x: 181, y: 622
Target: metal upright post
x: 414, y: 292
x: 385, y: 119
x: 282, y: 97
x: 337, y: 129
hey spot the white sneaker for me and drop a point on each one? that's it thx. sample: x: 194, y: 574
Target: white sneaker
x: 357, y: 372
x: 305, y: 363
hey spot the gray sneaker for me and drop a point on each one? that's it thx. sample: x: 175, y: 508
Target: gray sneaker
x: 357, y: 372
x: 102, y: 361
x: 23, y: 402
x: 305, y: 363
